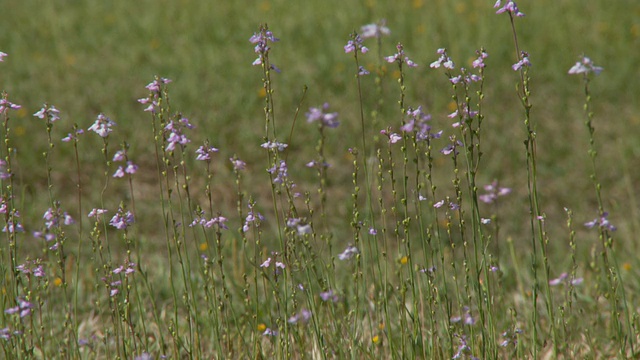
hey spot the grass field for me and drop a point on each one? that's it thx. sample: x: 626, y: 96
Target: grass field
x: 392, y: 250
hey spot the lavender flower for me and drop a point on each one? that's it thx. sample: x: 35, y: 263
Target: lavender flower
x: 348, y: 253
x: 204, y: 152
x: 355, y: 44
x: 374, y: 30
x: 524, y: 61
x: 444, y: 60
x: 400, y: 57
x: 49, y: 112
x: 174, y: 133
x: 262, y: 48
x: 271, y: 145
x: 585, y: 66
x: 304, y: 315
x: 510, y: 7
x: 2, y: 56
x: 122, y: 219
x: 96, y: 212
x: 23, y: 308
x: 601, y: 222
x: 238, y: 164
x: 329, y: 295
x: 494, y: 191
x: 6, y: 105
x: 325, y: 118
x: 479, y: 61
x: 73, y: 136
x: 102, y: 126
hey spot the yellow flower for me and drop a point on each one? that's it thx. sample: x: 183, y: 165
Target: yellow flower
x: 262, y: 93
x: 404, y: 260
x: 57, y: 281
x: 626, y: 266
x: 203, y: 246
x: 262, y: 327
x: 376, y: 339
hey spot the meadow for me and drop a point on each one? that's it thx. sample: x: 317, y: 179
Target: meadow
x: 323, y: 179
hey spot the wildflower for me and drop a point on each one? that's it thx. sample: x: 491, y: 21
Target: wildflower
x: 174, y: 133
x: 510, y: 7
x: 444, y: 60
x: 451, y: 148
x: 561, y: 279
x: 6, y: 105
x: 274, y: 145
x: 375, y: 339
x: 73, y: 136
x: 238, y: 164
x: 131, y: 168
x: 374, y: 30
x: 438, y: 204
x: 304, y: 315
x: 266, y: 263
x: 585, y: 66
x: 319, y: 114
x: 119, y: 156
x: 362, y: 71
x: 122, y: 219
x: 400, y: 57
x: 373, y: 231
x: 524, y: 61
x: 329, y: 295
x: 204, y: 152
x: 253, y: 217
x: 262, y: 48
x: 493, y: 192
x: 144, y: 356
x: 2, y: 56
x: 601, y: 222
x: 48, y: 112
x: 348, y: 253
x: 102, y: 126
x: 23, y: 308
x: 281, y: 172
x: 355, y: 45
x: 96, y: 212
x: 269, y: 332
x: 479, y: 61
x: 119, y: 173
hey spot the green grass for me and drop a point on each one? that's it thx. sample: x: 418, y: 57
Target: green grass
x: 95, y: 57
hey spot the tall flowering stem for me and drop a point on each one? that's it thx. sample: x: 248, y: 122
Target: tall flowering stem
x: 538, y: 238
x: 586, y: 67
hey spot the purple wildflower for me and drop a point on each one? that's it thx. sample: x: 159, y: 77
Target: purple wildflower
x: 444, y: 60
x: 585, y: 66
x: 355, y: 44
x: 96, y: 212
x: 49, y: 112
x: 510, y: 7
x: 325, y: 118
x: 329, y: 295
x: 348, y: 253
x: 122, y: 219
x: 23, y: 308
x: 271, y: 145
x: 2, y: 56
x: 73, y: 136
x: 204, y: 152
x: 304, y: 315
x: 494, y: 191
x: 374, y: 30
x: 6, y: 105
x: 479, y: 61
x: 524, y: 61
x: 601, y: 222
x: 174, y: 133
x: 400, y: 57
x: 102, y: 126
x: 238, y: 164
x: 262, y: 48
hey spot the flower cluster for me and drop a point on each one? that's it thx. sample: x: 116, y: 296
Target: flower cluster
x: 48, y: 112
x: 199, y: 219
x: 122, y: 219
x: 325, y: 118
x: 348, y: 253
x: 253, y: 218
x: 355, y: 44
x: 73, y: 136
x: 304, y: 315
x: 155, y: 90
x: 564, y: 278
x: 174, y: 133
x: 204, y: 152
x: 23, y: 308
x: 375, y: 30
x: 493, y: 192
x: 601, y: 222
x: 261, y: 40
x: 585, y: 66
x: 300, y: 225
x: 509, y: 7
x: 6, y: 105
x: 418, y: 122
x: 444, y: 60
x: 130, y: 168
x: 524, y: 61
x: 102, y: 126
x: 400, y: 57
